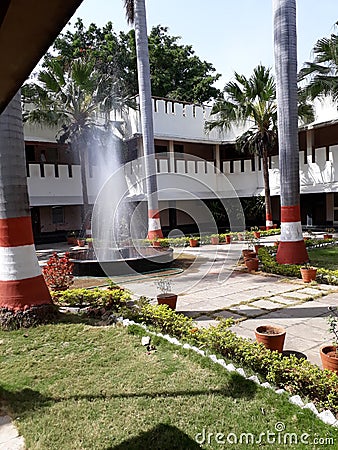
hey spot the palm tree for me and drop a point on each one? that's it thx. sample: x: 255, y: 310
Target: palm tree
x: 321, y: 75
x: 251, y: 101
x: 76, y: 98
x: 292, y: 248
x: 136, y: 14
x: 22, y: 286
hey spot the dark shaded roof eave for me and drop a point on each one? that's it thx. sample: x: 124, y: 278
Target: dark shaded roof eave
x: 27, y: 29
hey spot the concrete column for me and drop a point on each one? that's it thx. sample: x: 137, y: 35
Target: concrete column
x: 172, y: 165
x: 218, y: 157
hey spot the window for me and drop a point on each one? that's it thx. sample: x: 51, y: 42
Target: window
x: 58, y: 215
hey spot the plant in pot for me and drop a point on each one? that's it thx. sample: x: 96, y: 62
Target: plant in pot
x: 81, y: 241
x: 166, y: 297
x: 193, y: 241
x: 271, y: 336
x: 71, y: 238
x: 329, y: 353
x: 214, y: 239
x: 89, y: 242
x: 228, y: 238
x: 308, y: 273
x: 329, y: 233
x: 256, y: 232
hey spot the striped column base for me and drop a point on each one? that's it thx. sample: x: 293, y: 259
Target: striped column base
x: 154, y: 225
x: 291, y: 249
x: 21, y: 282
x: 268, y: 222
x: 292, y: 252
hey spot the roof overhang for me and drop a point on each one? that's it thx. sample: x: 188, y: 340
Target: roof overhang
x: 27, y: 29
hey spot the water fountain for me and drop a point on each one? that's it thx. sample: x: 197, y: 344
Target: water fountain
x: 119, y: 226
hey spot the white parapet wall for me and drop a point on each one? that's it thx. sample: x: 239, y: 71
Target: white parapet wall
x: 45, y: 188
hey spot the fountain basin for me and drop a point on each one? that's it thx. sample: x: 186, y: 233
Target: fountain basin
x: 120, y: 261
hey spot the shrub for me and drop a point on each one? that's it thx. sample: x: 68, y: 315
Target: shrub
x: 96, y: 298
x: 58, y: 272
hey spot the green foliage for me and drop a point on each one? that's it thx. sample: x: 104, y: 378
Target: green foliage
x: 99, y: 298
x: 270, y: 265
x: 176, y: 71
x: 296, y: 376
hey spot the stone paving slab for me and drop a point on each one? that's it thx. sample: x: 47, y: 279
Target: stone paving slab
x: 312, y: 291
x: 284, y: 301
x: 266, y: 304
x: 247, y: 310
x: 9, y: 435
x: 227, y: 314
x: 297, y: 295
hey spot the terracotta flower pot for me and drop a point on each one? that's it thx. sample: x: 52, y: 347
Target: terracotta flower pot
x: 228, y: 238
x: 252, y: 264
x: 257, y: 234
x: 214, y: 240
x: 247, y: 253
x: 240, y: 237
x: 308, y: 274
x: 193, y: 242
x: 328, y: 236
x: 156, y: 244
x: 81, y: 242
x: 257, y: 247
x: 329, y: 357
x: 167, y: 299
x: 271, y: 336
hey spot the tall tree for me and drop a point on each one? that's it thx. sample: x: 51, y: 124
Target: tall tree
x: 24, y: 296
x: 321, y: 75
x: 77, y: 99
x: 176, y: 71
x: 292, y: 248
x: 136, y: 14
x: 251, y: 101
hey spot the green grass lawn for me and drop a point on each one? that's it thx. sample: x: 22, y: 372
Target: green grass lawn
x: 324, y: 257
x: 75, y: 386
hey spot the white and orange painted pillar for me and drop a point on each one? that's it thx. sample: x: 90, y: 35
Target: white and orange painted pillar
x: 21, y: 282
x: 268, y: 221
x: 291, y: 249
x: 154, y: 224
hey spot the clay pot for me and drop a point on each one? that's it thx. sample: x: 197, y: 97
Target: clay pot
x: 227, y: 238
x: 271, y: 336
x: 308, y: 274
x: 257, y: 247
x: 193, y: 242
x: 328, y: 236
x: 329, y: 357
x: 247, y: 253
x: 252, y: 264
x: 214, y: 240
x: 257, y: 234
x: 81, y: 242
x: 156, y: 244
x: 167, y: 299
x: 240, y: 237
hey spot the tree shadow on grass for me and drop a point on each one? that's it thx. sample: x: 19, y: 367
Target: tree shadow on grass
x: 162, y: 437
x: 27, y: 400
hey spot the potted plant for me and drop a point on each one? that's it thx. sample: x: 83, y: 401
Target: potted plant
x: 228, y: 238
x: 156, y: 243
x: 214, y: 239
x: 166, y: 297
x: 256, y: 232
x: 89, y: 242
x: 329, y: 353
x: 271, y: 336
x: 193, y: 242
x: 329, y: 233
x: 71, y: 238
x: 308, y: 273
x: 81, y: 241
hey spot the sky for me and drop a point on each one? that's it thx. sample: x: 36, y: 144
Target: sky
x: 233, y: 35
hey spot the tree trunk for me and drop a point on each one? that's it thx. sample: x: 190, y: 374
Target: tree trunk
x: 81, y: 147
x: 292, y: 247
x: 146, y: 110
x: 268, y: 209
x: 21, y: 282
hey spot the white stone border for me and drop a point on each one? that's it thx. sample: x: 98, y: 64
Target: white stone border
x: 325, y: 416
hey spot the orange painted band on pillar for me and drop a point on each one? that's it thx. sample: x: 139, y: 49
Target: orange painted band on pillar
x: 153, y: 214
x: 16, y: 231
x: 21, y: 294
x: 290, y: 213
